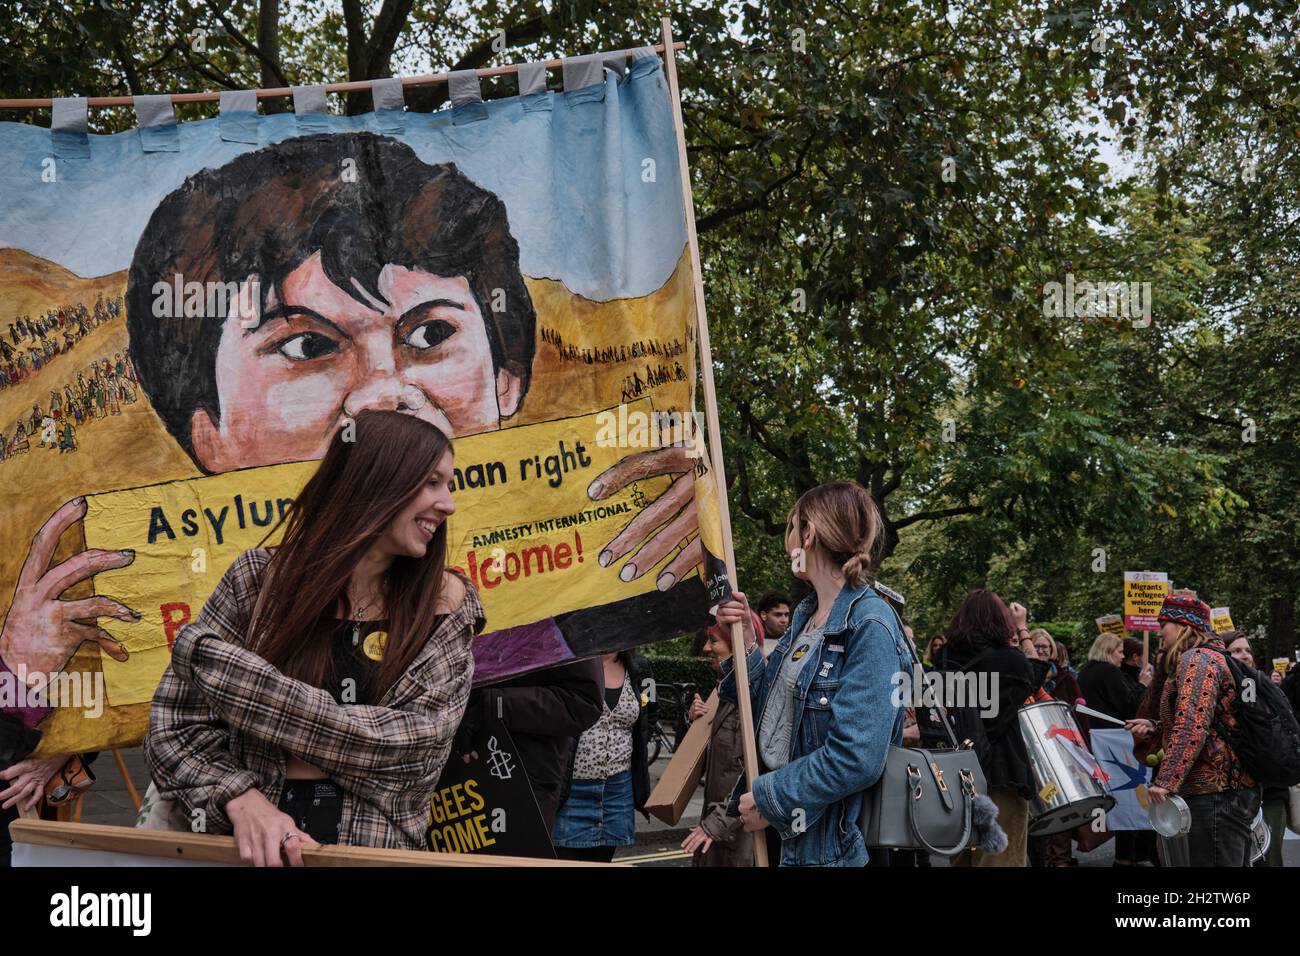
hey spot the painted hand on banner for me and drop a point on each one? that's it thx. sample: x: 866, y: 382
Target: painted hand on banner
x: 41, y: 632
x: 676, y: 506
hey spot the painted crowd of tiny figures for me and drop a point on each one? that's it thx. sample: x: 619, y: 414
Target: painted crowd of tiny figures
x: 31, y: 343
x: 100, y: 390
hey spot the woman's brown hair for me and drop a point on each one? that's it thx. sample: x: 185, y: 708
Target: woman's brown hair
x: 847, y: 523
x: 983, y: 616
x: 1188, y: 638
x: 373, y: 467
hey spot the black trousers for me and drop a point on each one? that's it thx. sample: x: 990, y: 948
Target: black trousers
x: 590, y: 854
x: 316, y: 807
x: 1220, y: 834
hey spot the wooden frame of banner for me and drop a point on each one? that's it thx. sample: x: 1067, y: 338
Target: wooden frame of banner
x: 741, y: 665
x: 352, y: 86
x: 209, y: 848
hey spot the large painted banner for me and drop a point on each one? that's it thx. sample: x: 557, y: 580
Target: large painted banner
x: 189, y: 312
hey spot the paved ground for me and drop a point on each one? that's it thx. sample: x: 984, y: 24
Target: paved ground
x: 657, y: 843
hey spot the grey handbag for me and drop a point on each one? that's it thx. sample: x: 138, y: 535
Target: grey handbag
x: 925, y: 798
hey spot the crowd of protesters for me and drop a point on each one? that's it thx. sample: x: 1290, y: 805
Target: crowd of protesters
x: 821, y: 677
x: 1181, y: 708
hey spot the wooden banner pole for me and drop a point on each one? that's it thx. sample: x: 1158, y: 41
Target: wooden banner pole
x: 126, y: 778
x: 747, y: 737
x: 351, y: 86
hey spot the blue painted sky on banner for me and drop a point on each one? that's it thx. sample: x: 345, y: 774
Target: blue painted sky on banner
x: 569, y: 167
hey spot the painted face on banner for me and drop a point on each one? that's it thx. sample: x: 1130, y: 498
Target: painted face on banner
x: 286, y: 379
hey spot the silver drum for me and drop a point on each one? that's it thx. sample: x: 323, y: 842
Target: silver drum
x: 1066, y: 776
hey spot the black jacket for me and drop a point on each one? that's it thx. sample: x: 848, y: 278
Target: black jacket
x: 1291, y: 687
x: 641, y: 674
x: 1108, y: 689
x: 545, y: 712
x: 1007, y: 766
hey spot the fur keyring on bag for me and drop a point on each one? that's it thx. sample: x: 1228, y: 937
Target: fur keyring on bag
x: 986, y: 834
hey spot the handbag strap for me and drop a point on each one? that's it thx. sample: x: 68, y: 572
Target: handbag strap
x: 914, y: 797
x: 916, y: 662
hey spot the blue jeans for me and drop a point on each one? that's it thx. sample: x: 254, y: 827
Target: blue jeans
x: 1220, y: 834
x: 597, y: 813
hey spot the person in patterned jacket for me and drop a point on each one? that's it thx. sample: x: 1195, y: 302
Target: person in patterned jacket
x: 315, y: 697
x: 1192, y: 695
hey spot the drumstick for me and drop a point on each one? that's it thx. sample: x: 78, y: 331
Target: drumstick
x: 1096, y: 713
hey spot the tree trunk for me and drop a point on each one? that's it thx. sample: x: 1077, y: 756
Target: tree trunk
x: 268, y: 43
x: 1281, y: 627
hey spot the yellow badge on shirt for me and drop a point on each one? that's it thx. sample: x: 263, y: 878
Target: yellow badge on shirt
x: 799, y: 652
x: 374, y: 643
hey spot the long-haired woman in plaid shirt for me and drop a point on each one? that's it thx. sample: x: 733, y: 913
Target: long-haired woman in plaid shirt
x: 315, y: 697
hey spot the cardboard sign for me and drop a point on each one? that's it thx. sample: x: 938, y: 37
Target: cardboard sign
x: 1280, y: 664
x: 1111, y: 624
x: 1144, y: 593
x: 681, y: 777
x: 1221, y: 620
x: 487, y: 805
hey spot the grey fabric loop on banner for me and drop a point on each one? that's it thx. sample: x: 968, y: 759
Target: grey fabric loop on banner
x: 387, y: 94
x: 308, y: 100
x: 463, y: 87
x: 68, y: 126
x: 238, y: 101
x: 238, y: 120
x: 583, y: 71
x: 71, y: 114
x: 641, y: 52
x: 154, y: 109
x: 616, y: 62
x: 532, y: 78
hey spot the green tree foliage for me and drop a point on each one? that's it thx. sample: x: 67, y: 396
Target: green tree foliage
x: 883, y: 192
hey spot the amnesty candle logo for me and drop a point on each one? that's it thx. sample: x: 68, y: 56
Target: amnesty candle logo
x: 500, y: 762
x: 103, y: 909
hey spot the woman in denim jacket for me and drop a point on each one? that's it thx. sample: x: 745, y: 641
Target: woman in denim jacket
x: 824, y: 702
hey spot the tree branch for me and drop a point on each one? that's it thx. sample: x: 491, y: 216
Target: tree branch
x: 355, y: 32
x: 941, y: 513
x: 383, y: 37
x: 128, y: 66
x: 268, y: 51
x: 758, y: 431
x: 479, y: 54
x: 747, y: 505
x: 248, y: 45
x: 719, y: 216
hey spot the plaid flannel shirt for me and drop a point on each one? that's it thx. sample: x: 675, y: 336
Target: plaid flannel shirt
x: 223, y: 721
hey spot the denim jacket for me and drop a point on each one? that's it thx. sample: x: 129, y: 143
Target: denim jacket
x: 844, y: 721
